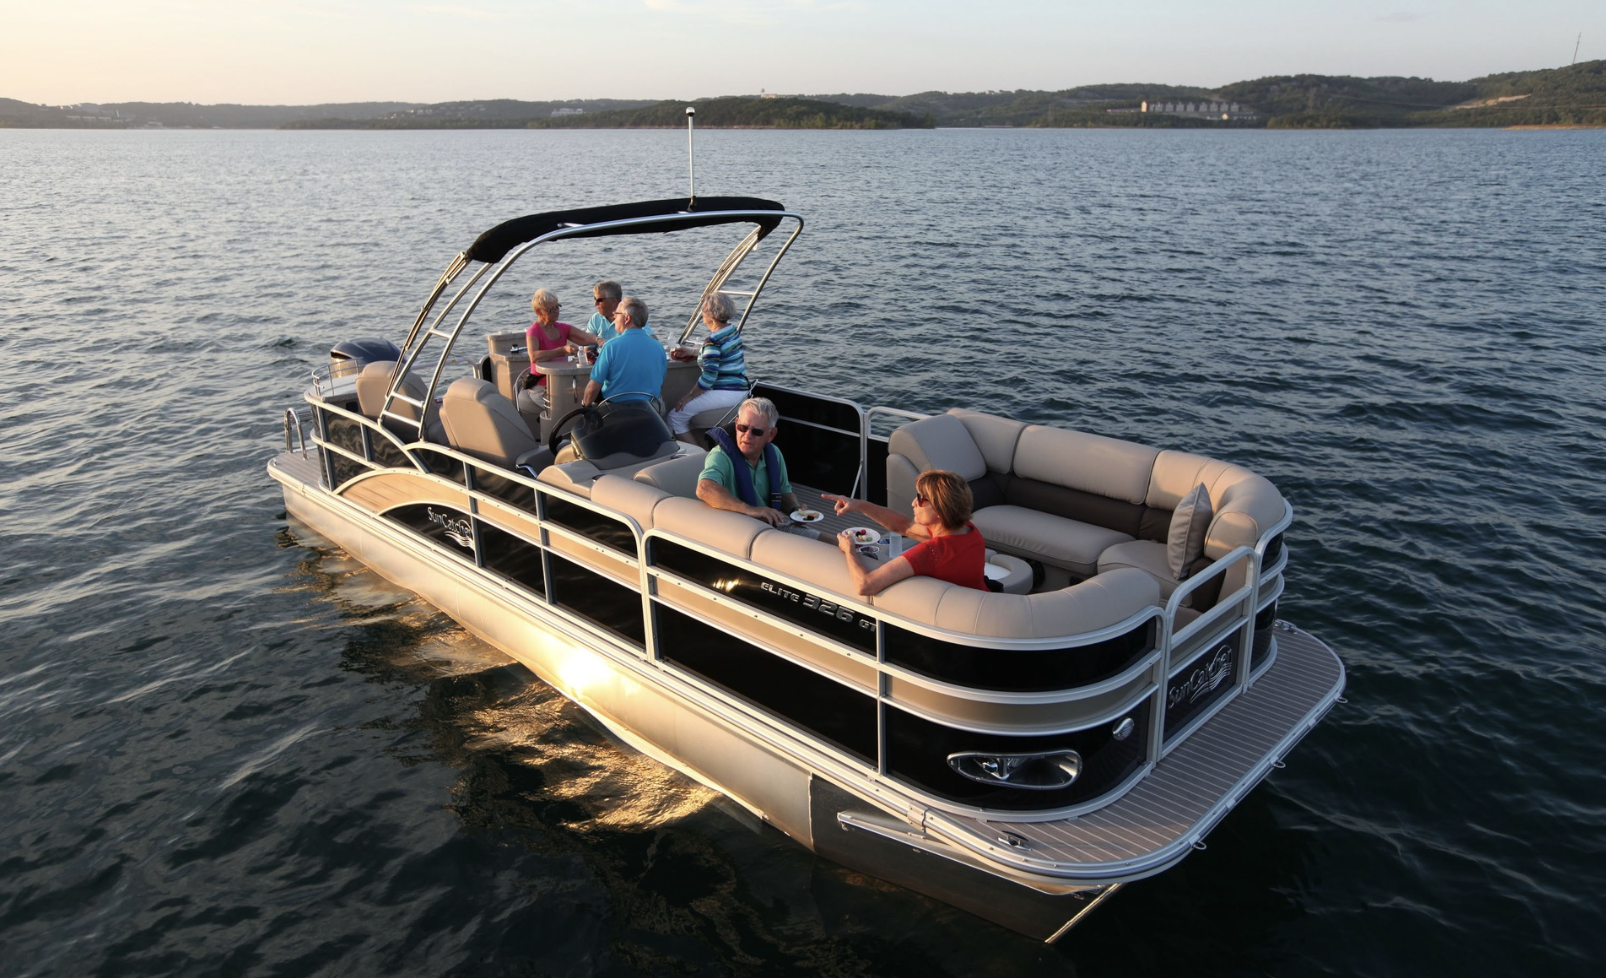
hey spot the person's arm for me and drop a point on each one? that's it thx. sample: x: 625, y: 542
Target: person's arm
x: 789, y: 503
x: 592, y: 392
x: 718, y: 497
x: 868, y: 581
x: 583, y: 337
x: 889, y: 518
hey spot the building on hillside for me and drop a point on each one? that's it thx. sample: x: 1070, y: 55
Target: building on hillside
x: 1215, y: 109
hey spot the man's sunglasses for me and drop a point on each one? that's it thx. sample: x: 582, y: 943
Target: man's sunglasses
x: 755, y: 429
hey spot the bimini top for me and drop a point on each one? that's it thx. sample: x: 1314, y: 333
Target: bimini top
x: 673, y: 215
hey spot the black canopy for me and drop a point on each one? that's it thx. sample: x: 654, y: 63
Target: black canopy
x: 494, y: 244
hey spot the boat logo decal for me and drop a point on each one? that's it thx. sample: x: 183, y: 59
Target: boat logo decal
x: 1203, y: 680
x: 456, y: 530
x: 813, y: 602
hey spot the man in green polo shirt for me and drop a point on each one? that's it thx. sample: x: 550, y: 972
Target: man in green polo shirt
x: 749, y: 475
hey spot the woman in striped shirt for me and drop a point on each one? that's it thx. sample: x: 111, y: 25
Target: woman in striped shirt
x: 723, y: 383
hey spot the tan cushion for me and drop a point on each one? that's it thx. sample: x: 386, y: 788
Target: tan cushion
x: 576, y: 476
x: 1091, y: 463
x: 480, y: 422
x: 727, y: 532
x: 1185, y: 542
x: 814, y: 561
x: 915, y: 598
x: 901, y: 476
x: 1056, y: 540
x: 372, y: 385
x: 1245, y: 511
x: 635, y: 499
x: 678, y: 476
x: 1144, y: 555
x: 940, y: 442
x: 631, y: 463
x: 1093, y: 604
x: 995, y: 437
x: 1177, y: 473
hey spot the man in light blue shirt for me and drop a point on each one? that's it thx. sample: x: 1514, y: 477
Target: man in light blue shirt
x: 605, y: 295
x: 633, y: 365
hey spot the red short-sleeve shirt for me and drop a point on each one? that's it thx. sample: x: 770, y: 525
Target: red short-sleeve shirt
x: 957, y: 558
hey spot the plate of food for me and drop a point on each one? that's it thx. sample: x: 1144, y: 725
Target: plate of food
x: 807, y: 516
x: 863, y: 535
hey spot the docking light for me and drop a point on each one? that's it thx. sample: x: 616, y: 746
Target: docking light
x: 1039, y: 772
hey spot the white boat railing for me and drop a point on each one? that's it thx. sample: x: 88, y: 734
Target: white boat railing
x: 1176, y: 642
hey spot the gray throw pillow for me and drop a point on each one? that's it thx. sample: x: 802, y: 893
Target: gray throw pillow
x: 1185, y: 542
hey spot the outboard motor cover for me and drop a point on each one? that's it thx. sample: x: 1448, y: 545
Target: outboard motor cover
x: 348, y: 357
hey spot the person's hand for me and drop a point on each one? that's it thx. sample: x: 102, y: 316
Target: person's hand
x: 844, y: 505
x: 845, y: 541
x: 773, y: 517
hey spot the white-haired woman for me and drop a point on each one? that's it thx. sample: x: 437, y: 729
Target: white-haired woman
x: 723, y: 382
x: 549, y: 339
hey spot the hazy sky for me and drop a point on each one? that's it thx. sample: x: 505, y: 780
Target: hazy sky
x: 309, y: 51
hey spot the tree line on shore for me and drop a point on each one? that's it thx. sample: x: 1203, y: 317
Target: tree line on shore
x: 1575, y: 95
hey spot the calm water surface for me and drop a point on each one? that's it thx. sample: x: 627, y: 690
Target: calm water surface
x: 226, y: 748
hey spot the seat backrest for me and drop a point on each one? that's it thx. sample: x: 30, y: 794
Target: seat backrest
x: 374, y: 383
x: 678, y: 476
x: 480, y: 422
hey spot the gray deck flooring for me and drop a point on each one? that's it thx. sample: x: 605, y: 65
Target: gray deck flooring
x: 1224, y: 758
x: 301, y: 469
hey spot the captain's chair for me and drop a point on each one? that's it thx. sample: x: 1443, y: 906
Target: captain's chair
x: 480, y: 422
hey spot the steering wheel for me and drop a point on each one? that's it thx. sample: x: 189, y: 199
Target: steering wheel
x: 587, y: 411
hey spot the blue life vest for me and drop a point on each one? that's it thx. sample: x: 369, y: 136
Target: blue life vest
x: 744, y: 475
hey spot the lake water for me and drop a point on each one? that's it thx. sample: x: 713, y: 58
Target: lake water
x: 226, y: 748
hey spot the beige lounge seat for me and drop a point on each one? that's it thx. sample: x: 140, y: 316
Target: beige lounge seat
x: 1085, y: 503
x: 372, y: 386
x: 480, y: 422
x: 578, y: 475
x: 1088, y: 606
x: 678, y: 476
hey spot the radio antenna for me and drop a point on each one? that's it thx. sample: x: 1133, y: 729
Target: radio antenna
x: 1575, y: 46
x: 691, y: 161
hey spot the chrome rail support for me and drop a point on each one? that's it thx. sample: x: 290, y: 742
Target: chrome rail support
x: 293, y: 418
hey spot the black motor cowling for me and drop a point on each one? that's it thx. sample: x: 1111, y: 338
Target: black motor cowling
x: 349, y: 356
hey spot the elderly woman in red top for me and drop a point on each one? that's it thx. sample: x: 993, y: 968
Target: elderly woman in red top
x: 951, y: 549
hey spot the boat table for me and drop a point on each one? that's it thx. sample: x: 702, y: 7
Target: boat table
x: 566, y: 380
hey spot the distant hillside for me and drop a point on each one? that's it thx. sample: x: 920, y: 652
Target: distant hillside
x: 746, y: 112
x: 182, y: 115
x: 730, y: 112
x: 1021, y: 107
x: 1574, y: 95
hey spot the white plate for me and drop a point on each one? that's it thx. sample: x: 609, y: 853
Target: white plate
x: 864, y: 535
x: 807, y: 516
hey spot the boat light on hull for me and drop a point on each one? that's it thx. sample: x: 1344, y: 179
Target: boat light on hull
x: 1040, y: 772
